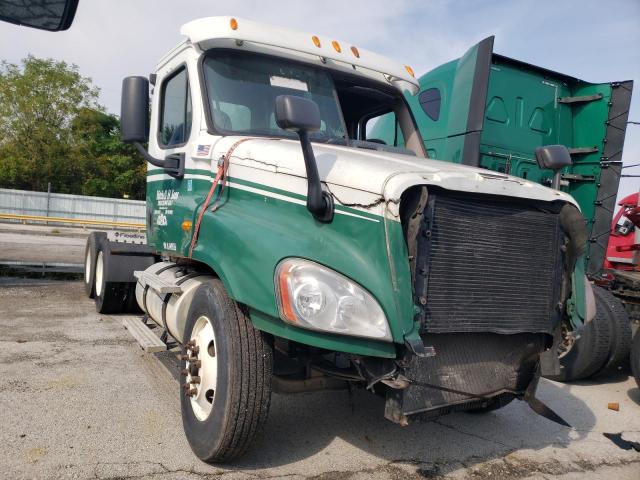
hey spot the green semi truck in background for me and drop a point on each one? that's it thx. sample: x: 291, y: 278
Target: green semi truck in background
x: 490, y: 111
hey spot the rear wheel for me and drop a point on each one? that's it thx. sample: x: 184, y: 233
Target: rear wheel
x: 620, y: 344
x: 90, y: 256
x: 226, y: 383
x: 110, y: 297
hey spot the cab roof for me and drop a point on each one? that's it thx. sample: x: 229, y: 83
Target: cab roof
x: 238, y: 33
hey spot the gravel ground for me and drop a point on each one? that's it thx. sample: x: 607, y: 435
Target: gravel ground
x: 79, y: 399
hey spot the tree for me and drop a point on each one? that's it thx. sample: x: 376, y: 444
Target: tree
x: 54, y: 130
x: 111, y: 168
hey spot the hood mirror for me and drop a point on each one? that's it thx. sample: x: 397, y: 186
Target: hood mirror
x: 300, y: 115
x: 553, y: 157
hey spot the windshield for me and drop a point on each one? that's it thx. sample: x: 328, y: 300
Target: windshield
x: 242, y: 89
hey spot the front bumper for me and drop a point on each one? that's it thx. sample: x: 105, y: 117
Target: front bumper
x: 469, y: 370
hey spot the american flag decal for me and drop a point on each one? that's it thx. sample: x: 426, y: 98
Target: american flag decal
x: 203, y: 150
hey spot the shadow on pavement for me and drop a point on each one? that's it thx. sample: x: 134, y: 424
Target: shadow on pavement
x: 607, y: 378
x: 304, y: 425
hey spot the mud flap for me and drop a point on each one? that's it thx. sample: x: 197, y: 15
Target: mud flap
x: 549, y: 361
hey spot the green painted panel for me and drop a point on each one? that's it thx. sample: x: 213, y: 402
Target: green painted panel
x: 460, y: 98
x: 441, y: 78
x: 589, y: 130
x: 522, y: 113
x: 400, y: 273
x: 443, y: 136
x: 339, y: 343
x: 251, y: 233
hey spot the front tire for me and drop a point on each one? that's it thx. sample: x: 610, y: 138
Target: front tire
x: 226, y: 382
x: 620, y: 344
x: 587, y: 354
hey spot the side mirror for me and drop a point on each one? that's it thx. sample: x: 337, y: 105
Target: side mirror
x: 553, y: 157
x: 134, y: 110
x: 51, y: 15
x: 134, y: 124
x: 302, y: 116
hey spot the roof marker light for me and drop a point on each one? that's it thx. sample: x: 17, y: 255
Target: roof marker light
x: 355, y: 52
x: 233, y: 23
x: 336, y: 46
x: 316, y: 41
x: 409, y: 70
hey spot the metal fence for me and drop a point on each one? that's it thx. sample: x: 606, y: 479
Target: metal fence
x: 73, y: 207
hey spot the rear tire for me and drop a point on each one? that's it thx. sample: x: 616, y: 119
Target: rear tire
x: 90, y: 253
x: 588, y: 353
x: 620, y: 344
x: 635, y: 358
x: 225, y: 410
x: 110, y: 297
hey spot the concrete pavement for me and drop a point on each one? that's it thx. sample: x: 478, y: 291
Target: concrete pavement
x: 79, y: 399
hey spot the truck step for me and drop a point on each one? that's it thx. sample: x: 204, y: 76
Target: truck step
x: 148, y: 340
x: 156, y: 283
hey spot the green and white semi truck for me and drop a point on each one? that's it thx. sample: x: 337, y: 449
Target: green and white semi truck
x: 285, y: 250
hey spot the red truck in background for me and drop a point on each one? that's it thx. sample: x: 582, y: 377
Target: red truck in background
x: 622, y: 262
x: 622, y: 267
x: 624, y: 241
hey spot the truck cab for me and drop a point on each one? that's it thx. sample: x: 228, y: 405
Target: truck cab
x: 293, y: 250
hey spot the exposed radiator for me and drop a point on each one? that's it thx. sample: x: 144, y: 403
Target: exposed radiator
x: 484, y: 264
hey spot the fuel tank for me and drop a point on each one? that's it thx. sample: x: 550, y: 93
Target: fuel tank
x: 169, y: 310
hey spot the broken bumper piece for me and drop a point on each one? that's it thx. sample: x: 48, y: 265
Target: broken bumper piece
x: 469, y: 371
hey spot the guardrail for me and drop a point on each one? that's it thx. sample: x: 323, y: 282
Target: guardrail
x: 48, y: 208
x: 71, y: 221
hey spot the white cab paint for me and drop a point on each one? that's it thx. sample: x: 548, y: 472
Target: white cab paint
x: 212, y: 32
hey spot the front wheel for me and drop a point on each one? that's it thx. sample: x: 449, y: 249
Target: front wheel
x: 584, y: 354
x: 226, y: 376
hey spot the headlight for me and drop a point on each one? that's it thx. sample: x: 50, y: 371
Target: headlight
x: 315, y: 297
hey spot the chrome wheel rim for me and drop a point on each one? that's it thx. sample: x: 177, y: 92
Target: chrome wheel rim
x: 202, y: 368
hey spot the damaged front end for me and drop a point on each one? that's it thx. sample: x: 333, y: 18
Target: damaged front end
x: 491, y: 276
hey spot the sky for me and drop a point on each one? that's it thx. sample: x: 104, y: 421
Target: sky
x: 593, y: 40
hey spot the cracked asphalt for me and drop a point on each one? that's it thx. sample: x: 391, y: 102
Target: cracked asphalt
x: 80, y: 399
